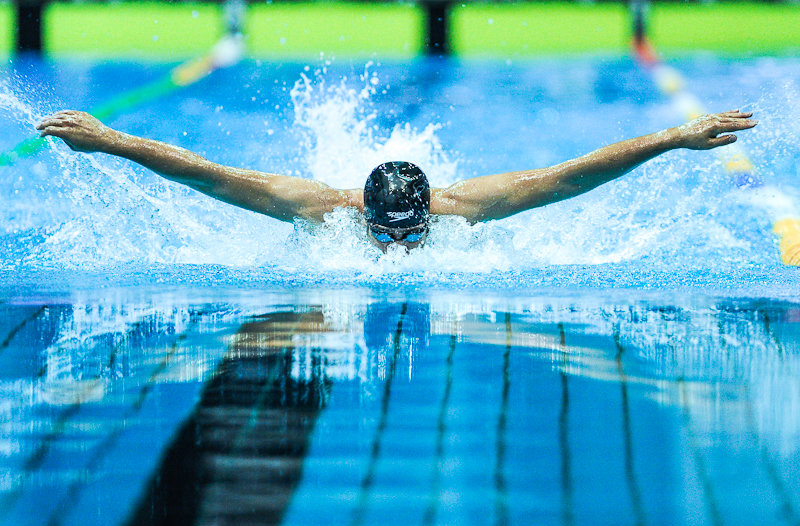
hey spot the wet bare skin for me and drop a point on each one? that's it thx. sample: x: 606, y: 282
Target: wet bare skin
x: 478, y: 199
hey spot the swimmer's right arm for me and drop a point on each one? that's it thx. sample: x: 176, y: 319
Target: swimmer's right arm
x: 279, y: 196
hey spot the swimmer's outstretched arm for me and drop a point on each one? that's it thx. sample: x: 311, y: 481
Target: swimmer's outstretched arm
x: 279, y: 196
x: 502, y: 195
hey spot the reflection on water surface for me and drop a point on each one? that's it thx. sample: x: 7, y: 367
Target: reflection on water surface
x: 350, y: 408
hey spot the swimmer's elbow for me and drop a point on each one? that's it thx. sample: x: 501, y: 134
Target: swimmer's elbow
x: 474, y: 210
x: 314, y: 207
x: 490, y: 212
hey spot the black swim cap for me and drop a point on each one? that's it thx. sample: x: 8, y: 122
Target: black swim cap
x: 397, y: 195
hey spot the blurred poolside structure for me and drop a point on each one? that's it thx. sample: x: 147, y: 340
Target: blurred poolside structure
x: 435, y: 19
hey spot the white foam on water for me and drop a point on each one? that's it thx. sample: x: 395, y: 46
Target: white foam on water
x: 342, y: 143
x: 677, y: 209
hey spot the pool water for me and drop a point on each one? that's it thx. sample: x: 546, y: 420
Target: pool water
x: 678, y: 220
x: 356, y: 407
x: 626, y: 357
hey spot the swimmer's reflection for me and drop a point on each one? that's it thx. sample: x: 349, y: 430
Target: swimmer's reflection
x: 239, y: 457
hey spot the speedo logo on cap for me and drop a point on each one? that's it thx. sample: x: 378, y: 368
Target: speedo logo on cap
x: 399, y: 216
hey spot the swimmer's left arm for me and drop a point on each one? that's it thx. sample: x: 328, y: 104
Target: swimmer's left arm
x: 503, y: 195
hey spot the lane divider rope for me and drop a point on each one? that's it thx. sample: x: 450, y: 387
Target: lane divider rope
x: 735, y: 162
x: 227, y: 52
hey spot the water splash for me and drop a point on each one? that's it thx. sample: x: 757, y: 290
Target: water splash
x: 342, y: 142
x: 94, y: 212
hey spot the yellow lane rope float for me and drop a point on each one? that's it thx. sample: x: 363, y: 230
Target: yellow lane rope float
x: 733, y: 158
x: 788, y: 230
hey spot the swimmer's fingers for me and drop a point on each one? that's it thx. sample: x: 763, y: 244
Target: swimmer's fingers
x: 729, y: 125
x: 721, y: 140
x: 711, y: 131
x: 47, y: 130
x: 64, y: 118
x: 63, y: 134
x: 81, y: 131
x: 55, y: 123
x: 737, y: 114
x: 57, y: 119
x: 720, y: 133
x: 49, y: 121
x: 50, y: 125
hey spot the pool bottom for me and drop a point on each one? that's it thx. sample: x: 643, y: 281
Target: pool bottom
x: 385, y: 406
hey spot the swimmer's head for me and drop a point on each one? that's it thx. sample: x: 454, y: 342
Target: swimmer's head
x: 397, y: 202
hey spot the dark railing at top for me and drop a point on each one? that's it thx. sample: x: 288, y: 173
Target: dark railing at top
x: 29, y: 25
x: 437, y: 38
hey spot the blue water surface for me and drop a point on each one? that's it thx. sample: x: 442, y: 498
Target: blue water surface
x: 678, y: 221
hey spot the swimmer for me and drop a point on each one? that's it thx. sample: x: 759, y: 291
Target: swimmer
x: 397, y: 201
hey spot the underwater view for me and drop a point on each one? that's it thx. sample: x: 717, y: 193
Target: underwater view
x: 361, y: 407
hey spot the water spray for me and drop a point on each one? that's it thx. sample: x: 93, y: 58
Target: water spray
x: 735, y: 161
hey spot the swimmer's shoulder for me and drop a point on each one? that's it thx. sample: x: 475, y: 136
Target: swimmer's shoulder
x: 352, y: 199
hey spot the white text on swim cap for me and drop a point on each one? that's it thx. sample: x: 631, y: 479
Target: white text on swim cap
x: 399, y: 216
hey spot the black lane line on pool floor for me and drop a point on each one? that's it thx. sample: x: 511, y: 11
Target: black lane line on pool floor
x: 500, y: 485
x: 34, y: 461
x: 71, y: 497
x: 567, y: 512
x: 441, y: 427
x: 369, y: 477
x: 785, y: 502
x: 699, y: 460
x: 766, y: 321
x: 239, y: 457
x: 787, y: 511
x: 13, y: 332
x: 634, y: 490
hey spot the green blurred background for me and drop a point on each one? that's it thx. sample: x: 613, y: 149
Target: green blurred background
x: 161, y: 30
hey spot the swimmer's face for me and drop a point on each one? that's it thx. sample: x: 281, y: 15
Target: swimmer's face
x: 382, y: 237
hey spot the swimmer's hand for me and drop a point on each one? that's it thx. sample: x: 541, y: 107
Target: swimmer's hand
x: 710, y: 131
x: 79, y: 130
